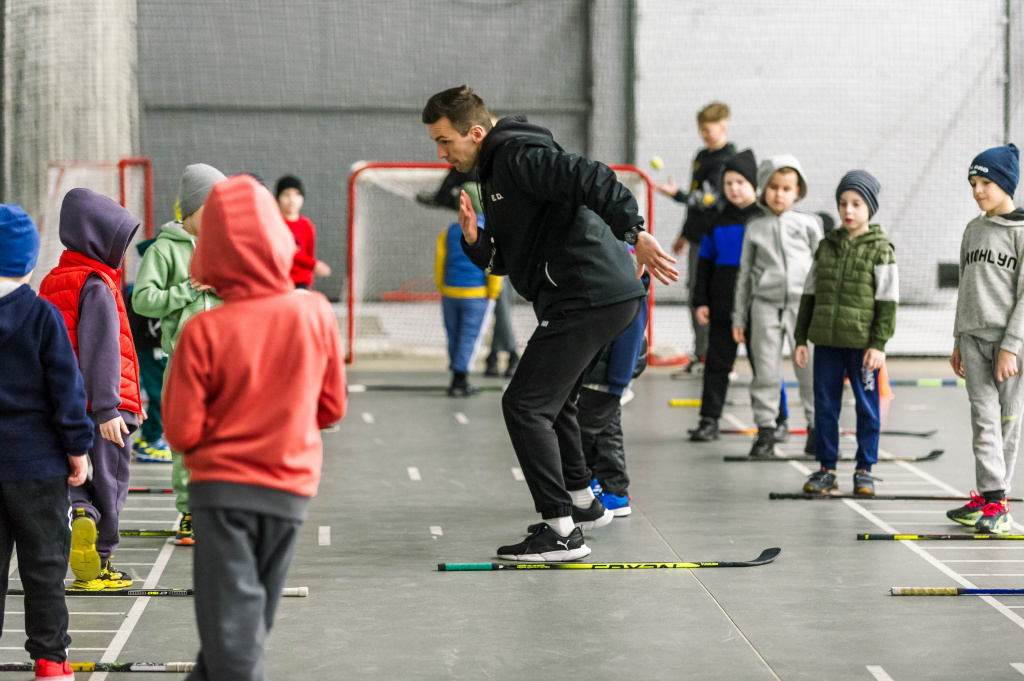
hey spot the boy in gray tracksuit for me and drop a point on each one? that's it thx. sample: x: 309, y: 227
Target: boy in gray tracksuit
x: 988, y: 334
x: 778, y: 250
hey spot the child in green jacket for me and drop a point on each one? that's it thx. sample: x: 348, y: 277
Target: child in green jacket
x: 164, y: 290
x: 848, y: 310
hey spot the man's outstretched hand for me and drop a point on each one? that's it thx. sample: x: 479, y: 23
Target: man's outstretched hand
x: 649, y: 255
x: 467, y: 218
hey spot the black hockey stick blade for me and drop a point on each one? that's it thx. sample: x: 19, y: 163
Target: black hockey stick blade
x: 930, y: 456
x: 868, y: 497
x: 767, y: 556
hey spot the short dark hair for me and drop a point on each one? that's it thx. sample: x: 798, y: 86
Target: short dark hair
x: 461, y: 106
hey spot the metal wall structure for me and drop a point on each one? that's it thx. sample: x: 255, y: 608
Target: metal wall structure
x: 249, y: 86
x: 69, y: 89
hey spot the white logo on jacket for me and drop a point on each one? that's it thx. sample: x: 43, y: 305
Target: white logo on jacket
x: 496, y: 197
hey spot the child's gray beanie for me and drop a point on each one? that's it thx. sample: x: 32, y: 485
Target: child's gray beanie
x: 196, y: 183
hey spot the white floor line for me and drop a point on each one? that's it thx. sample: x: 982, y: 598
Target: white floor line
x: 14, y: 565
x: 1019, y: 666
x: 931, y: 512
x: 972, y: 547
x: 461, y: 418
x: 878, y: 673
x: 973, y: 560
x: 945, y: 569
x: 517, y: 474
x: 367, y: 417
x: 129, y: 521
x: 414, y: 473
x: 135, y: 614
x: 324, y: 535
x: 436, y: 531
x: 994, y: 574
x: 96, y: 677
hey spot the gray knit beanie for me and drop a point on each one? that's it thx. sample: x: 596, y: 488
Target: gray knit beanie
x: 865, y: 184
x: 196, y: 183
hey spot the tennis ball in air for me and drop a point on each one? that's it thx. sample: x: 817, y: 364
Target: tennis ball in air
x: 656, y: 162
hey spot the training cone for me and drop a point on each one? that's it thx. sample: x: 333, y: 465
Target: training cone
x: 884, y: 387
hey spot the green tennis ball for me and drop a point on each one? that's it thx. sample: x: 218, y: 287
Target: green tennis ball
x: 656, y: 162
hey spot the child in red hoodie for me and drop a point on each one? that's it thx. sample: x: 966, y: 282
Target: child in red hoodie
x: 270, y: 355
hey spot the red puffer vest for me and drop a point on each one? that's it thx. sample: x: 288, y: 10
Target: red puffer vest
x: 63, y: 287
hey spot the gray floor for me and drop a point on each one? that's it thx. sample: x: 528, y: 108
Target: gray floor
x: 378, y: 610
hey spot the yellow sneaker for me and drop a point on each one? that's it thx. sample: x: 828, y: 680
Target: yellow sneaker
x: 88, y: 585
x: 114, y: 578
x: 84, y: 560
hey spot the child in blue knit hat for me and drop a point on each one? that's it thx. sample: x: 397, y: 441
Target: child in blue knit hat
x: 988, y: 334
x: 45, y: 434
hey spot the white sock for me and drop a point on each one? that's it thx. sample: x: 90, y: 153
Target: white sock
x: 582, y: 497
x: 563, y: 526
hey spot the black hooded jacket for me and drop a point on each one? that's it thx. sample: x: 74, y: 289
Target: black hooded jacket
x: 553, y: 221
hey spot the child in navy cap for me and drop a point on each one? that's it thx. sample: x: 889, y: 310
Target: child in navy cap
x: 988, y: 334
x: 46, y: 435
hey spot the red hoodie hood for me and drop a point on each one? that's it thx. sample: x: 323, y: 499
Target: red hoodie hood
x: 244, y: 249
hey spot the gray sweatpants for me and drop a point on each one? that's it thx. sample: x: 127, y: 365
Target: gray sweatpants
x: 239, y: 567
x: 700, y: 331
x: 995, y: 413
x: 769, y: 325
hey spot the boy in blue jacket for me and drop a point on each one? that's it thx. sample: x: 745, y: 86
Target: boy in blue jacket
x: 46, y: 434
x: 467, y: 298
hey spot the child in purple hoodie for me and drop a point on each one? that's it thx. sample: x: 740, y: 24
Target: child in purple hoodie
x: 45, y: 435
x: 86, y: 287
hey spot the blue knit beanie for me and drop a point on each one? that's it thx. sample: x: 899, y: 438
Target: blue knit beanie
x: 865, y: 184
x: 19, y: 242
x: 999, y: 164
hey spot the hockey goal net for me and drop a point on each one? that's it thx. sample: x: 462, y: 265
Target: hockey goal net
x: 129, y: 181
x: 392, y: 303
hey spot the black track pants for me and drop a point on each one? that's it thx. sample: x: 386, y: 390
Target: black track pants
x: 600, y: 418
x: 540, y: 402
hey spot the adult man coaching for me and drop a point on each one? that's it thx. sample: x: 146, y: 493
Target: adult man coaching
x: 555, y: 223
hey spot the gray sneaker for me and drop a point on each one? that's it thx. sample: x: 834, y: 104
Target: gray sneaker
x: 864, y: 482
x: 821, y: 482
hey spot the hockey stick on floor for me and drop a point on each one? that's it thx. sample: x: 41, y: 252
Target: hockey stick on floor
x: 735, y: 458
x: 842, y: 431
x: 149, y: 490
x: 147, y: 533
x: 299, y: 591
x: 952, y: 591
x: 172, y: 667
x: 941, y: 537
x: 767, y: 556
x: 868, y: 497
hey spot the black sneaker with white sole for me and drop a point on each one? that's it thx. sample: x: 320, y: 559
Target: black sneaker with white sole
x: 589, y: 518
x: 544, y: 545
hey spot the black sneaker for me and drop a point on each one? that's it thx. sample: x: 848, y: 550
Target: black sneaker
x: 492, y: 367
x: 821, y: 482
x: 590, y: 518
x: 764, y: 445
x: 781, y: 432
x: 544, y: 545
x: 809, y: 445
x: 864, y: 482
x: 706, y: 431
x: 460, y: 386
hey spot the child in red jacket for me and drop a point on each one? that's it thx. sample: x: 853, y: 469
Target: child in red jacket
x: 291, y: 195
x: 270, y: 355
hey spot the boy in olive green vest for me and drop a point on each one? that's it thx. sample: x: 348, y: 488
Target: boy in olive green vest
x: 848, y: 310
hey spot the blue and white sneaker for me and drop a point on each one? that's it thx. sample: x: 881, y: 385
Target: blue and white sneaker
x: 595, y: 486
x: 618, y: 505
x: 157, y: 451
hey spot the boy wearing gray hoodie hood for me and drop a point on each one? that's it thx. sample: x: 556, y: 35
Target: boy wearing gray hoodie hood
x: 86, y: 288
x: 988, y: 334
x: 778, y: 250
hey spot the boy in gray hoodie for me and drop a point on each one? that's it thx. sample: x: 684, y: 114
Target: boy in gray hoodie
x: 988, y: 333
x: 86, y: 288
x: 778, y: 250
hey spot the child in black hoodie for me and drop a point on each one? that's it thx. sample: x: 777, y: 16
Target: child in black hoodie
x: 716, y: 280
x: 45, y: 434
